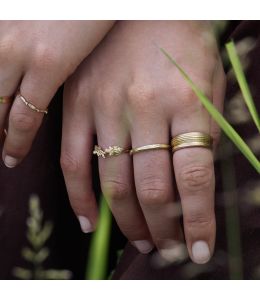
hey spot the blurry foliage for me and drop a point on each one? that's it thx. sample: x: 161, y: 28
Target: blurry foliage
x: 37, y: 234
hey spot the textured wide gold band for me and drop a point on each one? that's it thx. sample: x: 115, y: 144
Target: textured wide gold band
x: 149, y: 147
x: 191, y: 139
x: 110, y: 151
x: 5, y: 99
x: 32, y: 106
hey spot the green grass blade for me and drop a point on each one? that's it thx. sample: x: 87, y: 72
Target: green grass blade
x: 240, y: 76
x: 99, y: 247
x: 217, y: 116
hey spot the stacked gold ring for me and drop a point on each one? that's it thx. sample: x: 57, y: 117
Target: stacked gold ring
x: 191, y: 139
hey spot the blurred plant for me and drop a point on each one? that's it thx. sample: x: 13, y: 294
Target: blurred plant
x: 37, y: 235
x: 99, y: 246
x: 217, y: 116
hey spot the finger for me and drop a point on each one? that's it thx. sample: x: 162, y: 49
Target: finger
x: 219, y: 89
x: 76, y: 156
x: 194, y: 173
x: 154, y: 183
x: 9, y: 81
x: 24, y: 122
x: 117, y: 182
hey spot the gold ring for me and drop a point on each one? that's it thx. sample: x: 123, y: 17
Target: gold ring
x: 5, y: 99
x: 110, y: 151
x: 31, y: 106
x: 149, y: 147
x: 191, y: 139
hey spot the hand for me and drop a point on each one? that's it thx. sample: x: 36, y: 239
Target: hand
x: 128, y: 94
x: 36, y: 57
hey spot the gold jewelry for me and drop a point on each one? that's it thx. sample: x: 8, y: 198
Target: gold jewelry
x: 110, y: 151
x: 31, y: 106
x: 149, y: 147
x: 5, y: 99
x: 191, y: 139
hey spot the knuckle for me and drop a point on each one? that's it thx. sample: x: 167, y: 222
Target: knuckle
x: 189, y: 100
x: 115, y: 189
x: 197, y: 177
x: 45, y: 58
x: 141, y: 94
x: 198, y: 220
x: 23, y: 122
x: 153, y: 192
x: 69, y: 163
x: 7, y: 46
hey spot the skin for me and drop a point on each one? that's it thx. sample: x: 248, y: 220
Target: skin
x: 36, y: 57
x: 128, y: 94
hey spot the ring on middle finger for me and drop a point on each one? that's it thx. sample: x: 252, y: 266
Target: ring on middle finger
x: 149, y: 147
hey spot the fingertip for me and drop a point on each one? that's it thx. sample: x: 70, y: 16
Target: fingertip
x: 85, y: 224
x: 200, y: 252
x: 143, y: 246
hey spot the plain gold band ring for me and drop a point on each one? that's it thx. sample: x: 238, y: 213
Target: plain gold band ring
x: 32, y: 106
x: 149, y: 147
x: 191, y: 139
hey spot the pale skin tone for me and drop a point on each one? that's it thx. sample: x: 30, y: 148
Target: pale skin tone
x: 128, y: 94
x: 36, y: 57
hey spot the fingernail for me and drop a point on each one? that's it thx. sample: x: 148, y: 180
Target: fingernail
x: 173, y: 251
x: 10, y: 161
x: 143, y: 246
x: 200, y: 252
x: 85, y: 224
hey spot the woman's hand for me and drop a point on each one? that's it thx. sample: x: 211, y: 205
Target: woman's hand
x: 128, y: 94
x: 36, y: 57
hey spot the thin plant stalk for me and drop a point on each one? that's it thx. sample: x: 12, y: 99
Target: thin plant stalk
x: 99, y: 247
x: 241, y: 79
x: 217, y: 116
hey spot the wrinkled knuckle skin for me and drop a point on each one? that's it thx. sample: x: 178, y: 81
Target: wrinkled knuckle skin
x: 153, y: 192
x: 196, y: 178
x: 115, y: 190
x: 23, y: 122
x: 199, y: 220
x: 69, y: 163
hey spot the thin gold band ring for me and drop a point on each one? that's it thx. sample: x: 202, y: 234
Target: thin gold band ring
x: 32, y: 106
x: 191, y: 139
x: 149, y: 147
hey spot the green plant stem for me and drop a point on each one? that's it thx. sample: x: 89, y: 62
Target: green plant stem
x: 99, y: 247
x: 217, y: 116
x: 240, y: 76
